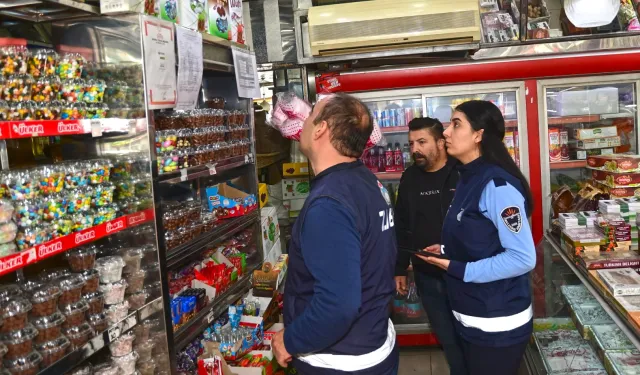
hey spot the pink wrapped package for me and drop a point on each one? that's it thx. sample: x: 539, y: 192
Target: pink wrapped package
x: 289, y: 113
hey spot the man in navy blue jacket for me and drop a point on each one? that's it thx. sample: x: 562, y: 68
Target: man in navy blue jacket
x: 341, y: 255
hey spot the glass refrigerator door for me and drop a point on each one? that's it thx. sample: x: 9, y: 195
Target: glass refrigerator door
x: 441, y: 108
x: 583, y: 120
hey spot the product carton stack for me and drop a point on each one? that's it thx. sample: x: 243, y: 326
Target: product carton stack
x: 618, y: 221
x: 579, y: 235
x: 618, y: 174
x: 623, y: 286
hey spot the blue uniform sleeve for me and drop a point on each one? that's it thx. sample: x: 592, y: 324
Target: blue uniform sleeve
x: 504, y: 205
x: 330, y: 245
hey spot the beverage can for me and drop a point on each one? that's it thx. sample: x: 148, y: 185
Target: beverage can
x: 400, y: 117
x: 377, y: 119
x: 392, y: 117
x: 384, y: 118
x: 408, y: 115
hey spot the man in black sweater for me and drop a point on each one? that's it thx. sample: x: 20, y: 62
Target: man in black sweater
x: 425, y: 193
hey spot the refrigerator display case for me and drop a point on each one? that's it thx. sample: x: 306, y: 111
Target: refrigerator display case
x: 393, y: 110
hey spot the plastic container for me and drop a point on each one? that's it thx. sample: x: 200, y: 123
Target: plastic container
x: 150, y: 254
x: 147, y: 367
x: 53, y: 274
x: 49, y: 327
x: 123, y: 345
x: 106, y: 369
x: 135, y: 281
x: 74, y: 314
x: 14, y: 313
x: 29, y: 286
x: 3, y: 352
x: 52, y: 351
x: 8, y: 249
x: 154, y: 290
x: 6, y: 211
x: 8, y: 232
x: 82, y: 259
x: 137, y: 300
x: 92, y: 281
x: 27, y: 365
x: 45, y: 300
x: 71, y: 287
x: 79, y: 335
x: 10, y: 291
x: 20, y: 342
x: 132, y: 259
x: 114, y: 292
x: 110, y: 269
x: 99, y: 322
x: 117, y: 313
x: 144, y: 348
x: 126, y: 363
x: 96, y: 302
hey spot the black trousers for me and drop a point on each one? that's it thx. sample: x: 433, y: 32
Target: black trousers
x: 483, y: 360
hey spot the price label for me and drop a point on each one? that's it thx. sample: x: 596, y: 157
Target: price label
x: 210, y: 318
x: 183, y: 175
x: 111, y: 6
x: 96, y: 128
x: 114, y: 333
x: 212, y: 169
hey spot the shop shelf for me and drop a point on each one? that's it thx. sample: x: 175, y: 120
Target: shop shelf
x: 389, y: 176
x: 49, y: 128
x: 196, y: 325
x: 14, y: 262
x: 103, y: 339
x: 604, y: 298
x: 568, y: 164
x: 572, y: 119
x: 224, y: 230
x: 394, y: 129
x: 206, y: 170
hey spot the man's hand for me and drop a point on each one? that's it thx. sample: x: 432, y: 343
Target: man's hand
x: 442, y: 263
x: 401, y: 284
x: 277, y: 347
x: 433, y: 249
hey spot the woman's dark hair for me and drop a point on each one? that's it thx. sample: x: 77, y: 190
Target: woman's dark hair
x: 485, y: 115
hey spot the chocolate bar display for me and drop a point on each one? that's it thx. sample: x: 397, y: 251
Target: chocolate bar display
x: 605, y: 337
x: 577, y: 294
x: 626, y: 362
x: 614, y: 259
x: 621, y: 282
x: 587, y: 315
x: 571, y: 360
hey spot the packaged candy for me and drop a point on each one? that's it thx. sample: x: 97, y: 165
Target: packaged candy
x: 102, y: 195
x: 82, y: 220
x: 61, y: 227
x: 116, y: 93
x: 46, y: 89
x: 71, y: 287
x: 8, y: 232
x: 28, y: 213
x: 167, y: 163
x: 27, y: 365
x: 21, y: 111
x: 135, y: 96
x: 96, y: 301
x: 17, y: 88
x: 142, y: 185
x: 14, y: 313
x: 94, y: 91
x: 51, y: 178
x: 126, y: 363
x: 4, y: 107
x: 22, y: 184
x: 99, y: 171
x: 43, y: 63
x: 110, y: 269
x: 82, y: 258
x: 8, y: 249
x: 75, y: 175
x: 46, y: 111
x: 79, y: 335
x: 72, y: 90
x: 103, y: 214
x: 73, y: 111
x: 123, y: 345
x: 166, y: 141
x: 74, y: 314
x: 13, y: 60
x: 79, y: 200
x: 99, y: 322
x: 92, y: 281
x: 70, y: 66
x: 117, y: 313
x: 135, y: 281
x: 6, y: 211
x: 123, y: 167
x: 96, y: 111
x: 53, y: 206
x: 45, y: 300
x: 125, y: 189
x: 52, y: 351
x: 114, y: 292
x: 19, y: 342
x: 53, y: 274
x: 49, y: 327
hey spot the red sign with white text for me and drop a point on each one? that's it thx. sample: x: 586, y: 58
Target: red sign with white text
x: 13, y: 262
x: 44, y: 128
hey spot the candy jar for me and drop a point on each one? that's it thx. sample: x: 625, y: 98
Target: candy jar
x: 8, y: 232
x: 116, y: 93
x: 72, y: 90
x: 102, y: 194
x: 99, y: 171
x: 81, y: 221
x: 13, y: 60
x: 80, y: 199
x: 122, y: 167
x: 125, y: 189
x: 75, y: 176
x: 22, y: 184
x: 42, y: 111
x: 4, y: 110
x: 104, y: 214
x: 61, y: 227
x: 32, y: 236
x: 142, y: 184
x: 55, y: 108
x: 54, y: 207
x: 45, y: 89
x: 18, y: 88
x: 96, y: 111
x: 51, y: 178
x: 70, y: 66
x: 43, y: 63
x: 94, y: 91
x: 20, y: 111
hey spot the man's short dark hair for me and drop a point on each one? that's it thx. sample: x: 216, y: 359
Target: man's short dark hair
x: 350, y: 122
x: 434, y: 125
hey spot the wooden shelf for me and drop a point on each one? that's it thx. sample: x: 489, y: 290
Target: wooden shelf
x: 568, y: 164
x: 572, y: 119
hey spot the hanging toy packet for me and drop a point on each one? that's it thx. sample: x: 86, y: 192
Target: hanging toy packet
x: 289, y: 113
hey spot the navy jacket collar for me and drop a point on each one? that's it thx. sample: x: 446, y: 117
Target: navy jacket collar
x: 336, y: 168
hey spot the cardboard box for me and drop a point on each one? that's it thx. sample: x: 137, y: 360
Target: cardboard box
x: 613, y: 179
x: 256, y: 370
x: 274, y: 253
x: 263, y: 194
x: 267, y: 280
x: 621, y: 282
x: 295, y: 169
x: 603, y: 132
x: 295, y: 188
x: 235, y: 202
x: 615, y: 163
x: 590, y: 144
x: 270, y: 229
x: 210, y: 353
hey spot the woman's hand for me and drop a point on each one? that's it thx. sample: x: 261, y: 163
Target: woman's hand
x: 442, y: 263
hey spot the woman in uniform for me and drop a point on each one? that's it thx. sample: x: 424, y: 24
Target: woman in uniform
x: 487, y: 246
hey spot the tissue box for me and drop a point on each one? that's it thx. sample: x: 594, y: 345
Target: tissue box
x: 295, y: 188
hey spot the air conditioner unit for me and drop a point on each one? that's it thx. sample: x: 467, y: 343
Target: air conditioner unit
x: 384, y: 24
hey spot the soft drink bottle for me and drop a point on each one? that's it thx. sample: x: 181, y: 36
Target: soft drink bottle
x: 372, y: 160
x: 397, y: 158
x: 381, y: 159
x: 413, y: 307
x: 389, y: 159
x: 406, y: 156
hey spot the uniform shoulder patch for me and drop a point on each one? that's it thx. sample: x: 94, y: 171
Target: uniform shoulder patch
x: 512, y: 218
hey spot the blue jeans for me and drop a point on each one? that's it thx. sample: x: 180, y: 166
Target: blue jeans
x: 433, y: 292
